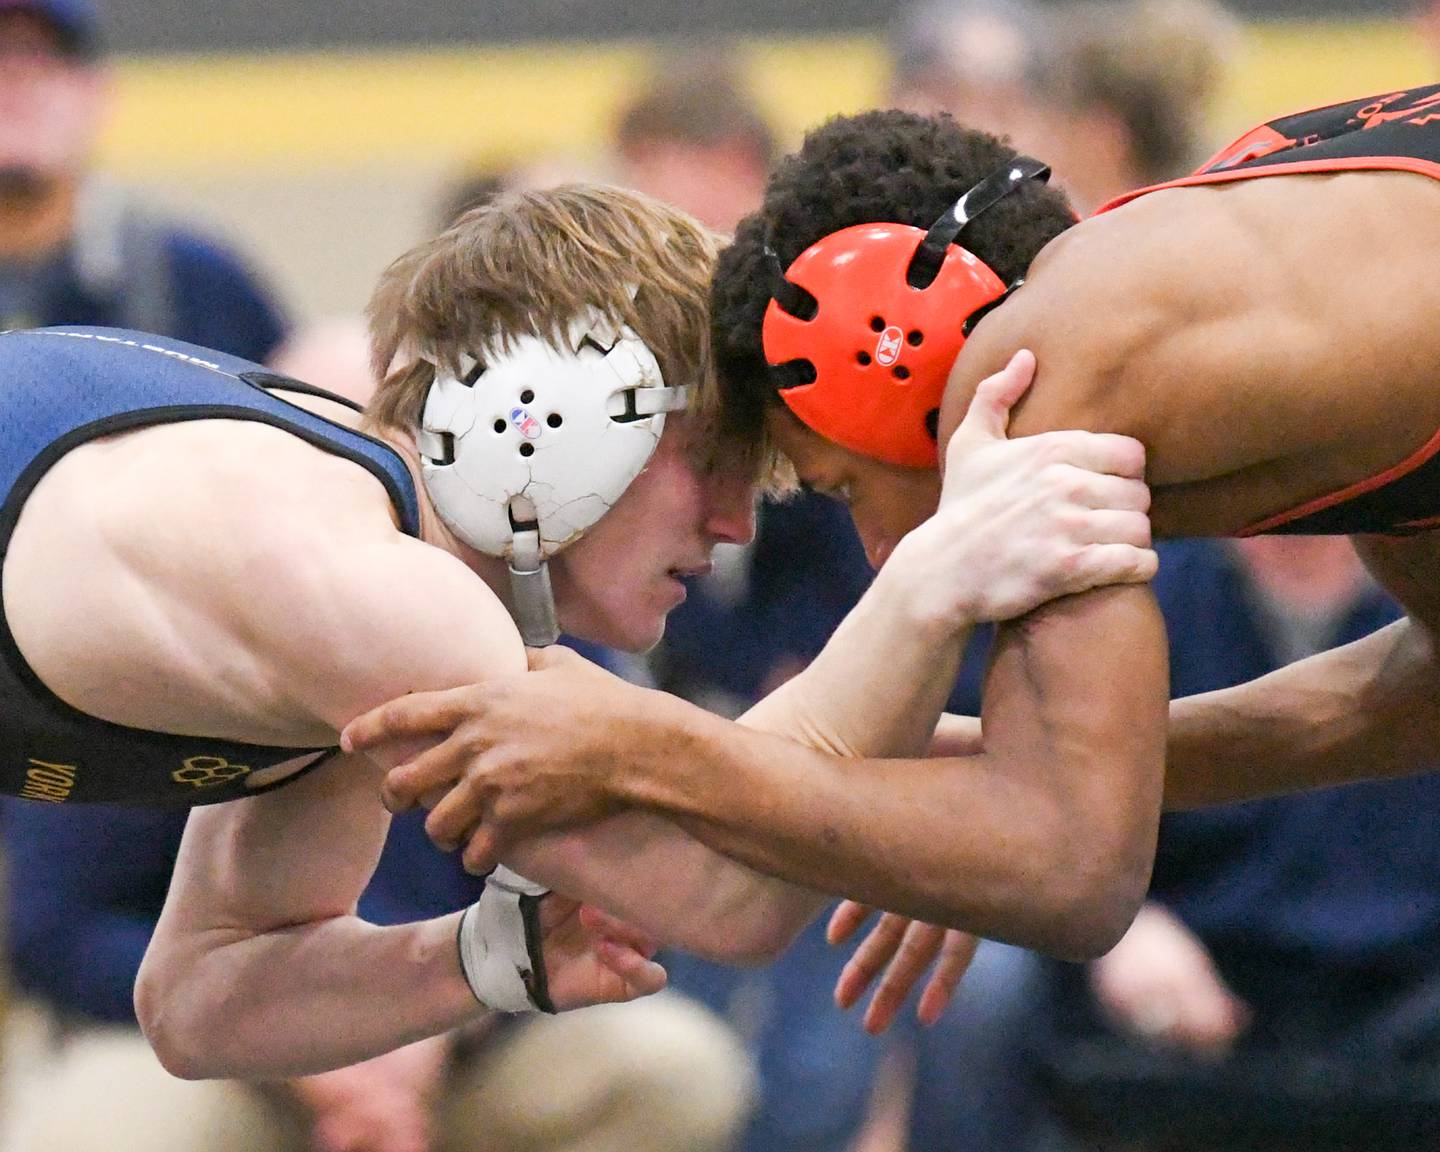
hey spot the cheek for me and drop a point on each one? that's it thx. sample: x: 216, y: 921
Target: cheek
x: 917, y: 509
x: 60, y: 111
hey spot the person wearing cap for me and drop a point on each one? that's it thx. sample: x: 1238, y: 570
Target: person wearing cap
x: 76, y: 248
x: 73, y: 25
x: 1260, y: 326
x: 209, y: 570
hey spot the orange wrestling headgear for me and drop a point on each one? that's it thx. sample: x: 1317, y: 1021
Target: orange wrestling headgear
x: 863, y: 327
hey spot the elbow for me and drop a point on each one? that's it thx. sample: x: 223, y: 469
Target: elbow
x: 1096, y: 849
x: 167, y: 1042
x: 180, y: 1061
x: 1095, y: 891
x: 164, y: 1009
x: 1077, y: 897
x: 1089, y: 920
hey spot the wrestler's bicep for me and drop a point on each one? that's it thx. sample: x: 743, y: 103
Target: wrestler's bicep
x: 297, y: 855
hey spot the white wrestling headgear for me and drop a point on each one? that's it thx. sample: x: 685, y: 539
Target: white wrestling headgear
x: 524, y: 452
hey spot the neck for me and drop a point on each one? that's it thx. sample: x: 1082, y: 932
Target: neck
x: 35, y: 219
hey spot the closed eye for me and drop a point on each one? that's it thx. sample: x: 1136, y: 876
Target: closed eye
x: 840, y: 492
x: 835, y: 491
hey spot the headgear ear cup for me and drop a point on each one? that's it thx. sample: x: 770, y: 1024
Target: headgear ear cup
x: 866, y: 367
x: 522, y: 457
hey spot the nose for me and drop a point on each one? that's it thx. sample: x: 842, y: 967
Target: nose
x: 730, y: 509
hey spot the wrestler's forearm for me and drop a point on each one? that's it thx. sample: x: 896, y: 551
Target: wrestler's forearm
x: 1044, y: 838
x: 258, y: 965
x: 301, y: 999
x: 1365, y: 711
x: 875, y: 690
x: 665, y: 882
x: 878, y: 686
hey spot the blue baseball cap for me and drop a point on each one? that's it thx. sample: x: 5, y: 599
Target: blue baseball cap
x: 75, y: 21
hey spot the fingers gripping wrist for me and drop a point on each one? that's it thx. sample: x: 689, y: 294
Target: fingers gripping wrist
x: 500, y: 945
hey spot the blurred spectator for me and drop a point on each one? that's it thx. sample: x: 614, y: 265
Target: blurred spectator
x: 659, y: 1075
x: 1282, y: 991
x: 1128, y: 89
x: 480, y: 183
x: 473, y: 189
x: 1427, y: 23
x: 1111, y: 93
x: 75, y: 250
x: 695, y: 139
x: 980, y: 61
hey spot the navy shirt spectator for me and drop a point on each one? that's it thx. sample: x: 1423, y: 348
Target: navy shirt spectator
x: 1319, y: 914
x: 167, y: 279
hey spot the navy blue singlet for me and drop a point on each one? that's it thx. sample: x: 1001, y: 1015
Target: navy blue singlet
x: 62, y: 387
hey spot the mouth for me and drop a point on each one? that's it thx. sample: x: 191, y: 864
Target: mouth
x: 694, y: 572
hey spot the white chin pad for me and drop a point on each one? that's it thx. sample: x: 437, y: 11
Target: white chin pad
x: 500, y: 945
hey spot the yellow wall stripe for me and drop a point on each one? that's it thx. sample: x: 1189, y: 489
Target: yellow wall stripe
x: 308, y: 113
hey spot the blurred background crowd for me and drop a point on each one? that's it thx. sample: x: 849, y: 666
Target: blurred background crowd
x: 236, y: 174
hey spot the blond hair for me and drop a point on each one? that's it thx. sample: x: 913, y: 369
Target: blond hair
x: 529, y: 263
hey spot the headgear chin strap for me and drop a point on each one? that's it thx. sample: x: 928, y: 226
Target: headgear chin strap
x: 863, y: 327
x: 523, y: 453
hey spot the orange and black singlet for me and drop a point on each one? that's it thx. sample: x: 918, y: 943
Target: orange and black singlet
x: 1395, y: 131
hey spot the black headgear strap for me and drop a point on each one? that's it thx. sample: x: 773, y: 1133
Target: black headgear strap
x: 925, y: 264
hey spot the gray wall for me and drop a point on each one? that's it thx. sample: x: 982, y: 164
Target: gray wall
x: 247, y: 25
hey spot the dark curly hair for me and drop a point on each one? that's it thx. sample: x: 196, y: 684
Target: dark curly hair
x: 889, y: 166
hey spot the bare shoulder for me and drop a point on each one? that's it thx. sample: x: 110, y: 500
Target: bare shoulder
x: 1237, y: 330
x: 1095, y: 304
x: 240, y: 582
